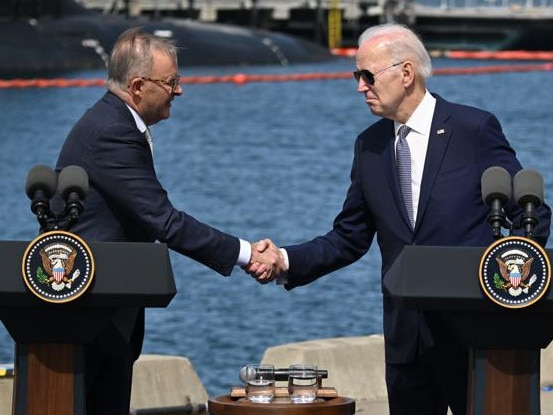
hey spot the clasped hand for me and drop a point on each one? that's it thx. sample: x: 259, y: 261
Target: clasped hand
x: 266, y: 261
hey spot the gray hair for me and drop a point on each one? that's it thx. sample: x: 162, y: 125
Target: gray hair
x: 132, y: 55
x: 405, y: 44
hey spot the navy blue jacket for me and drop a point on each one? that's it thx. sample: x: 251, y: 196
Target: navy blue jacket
x: 126, y: 202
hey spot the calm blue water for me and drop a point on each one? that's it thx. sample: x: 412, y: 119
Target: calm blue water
x: 256, y: 160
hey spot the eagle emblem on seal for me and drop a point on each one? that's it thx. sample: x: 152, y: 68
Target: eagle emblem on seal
x: 515, y: 273
x: 58, y: 260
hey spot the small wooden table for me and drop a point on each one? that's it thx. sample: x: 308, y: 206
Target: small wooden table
x: 225, y: 405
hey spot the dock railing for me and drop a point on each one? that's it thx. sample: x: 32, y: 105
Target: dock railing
x: 208, y: 8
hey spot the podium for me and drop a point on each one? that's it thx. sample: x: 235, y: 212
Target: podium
x: 504, y: 344
x: 49, y: 337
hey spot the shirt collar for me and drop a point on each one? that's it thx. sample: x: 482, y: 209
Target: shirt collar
x: 421, y: 119
x: 140, y: 124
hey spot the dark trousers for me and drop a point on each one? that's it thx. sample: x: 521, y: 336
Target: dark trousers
x: 109, y: 364
x: 108, y: 383
x: 436, y: 380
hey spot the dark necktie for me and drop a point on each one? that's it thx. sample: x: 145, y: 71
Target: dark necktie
x: 403, y: 161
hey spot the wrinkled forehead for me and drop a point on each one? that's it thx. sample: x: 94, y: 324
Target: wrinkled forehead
x: 372, y: 53
x: 164, y: 63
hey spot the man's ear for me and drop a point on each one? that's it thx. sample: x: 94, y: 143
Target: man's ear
x: 408, y: 71
x: 136, y: 86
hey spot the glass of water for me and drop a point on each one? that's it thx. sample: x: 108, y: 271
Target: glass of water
x: 260, y: 383
x: 302, y: 383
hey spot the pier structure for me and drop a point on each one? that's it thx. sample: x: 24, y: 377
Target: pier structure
x: 442, y: 24
x: 329, y: 22
x: 210, y: 10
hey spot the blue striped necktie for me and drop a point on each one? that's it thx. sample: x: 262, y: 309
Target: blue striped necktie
x: 403, y: 161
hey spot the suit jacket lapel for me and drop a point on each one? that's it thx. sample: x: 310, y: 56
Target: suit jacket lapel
x: 440, y: 134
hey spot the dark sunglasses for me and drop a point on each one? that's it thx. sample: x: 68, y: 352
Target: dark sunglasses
x: 367, y: 76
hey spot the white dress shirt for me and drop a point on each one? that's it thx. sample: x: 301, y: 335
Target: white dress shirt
x: 419, y: 134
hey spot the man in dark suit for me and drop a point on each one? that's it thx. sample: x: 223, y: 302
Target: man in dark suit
x: 450, y: 146
x: 126, y: 202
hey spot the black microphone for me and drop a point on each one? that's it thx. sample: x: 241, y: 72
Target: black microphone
x: 73, y: 187
x: 40, y: 187
x: 496, y: 193
x: 280, y: 374
x: 528, y: 191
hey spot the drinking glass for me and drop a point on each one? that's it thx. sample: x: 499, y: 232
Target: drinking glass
x: 260, y: 383
x: 302, y: 383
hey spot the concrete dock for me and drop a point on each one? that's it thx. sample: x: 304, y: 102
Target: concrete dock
x: 170, y: 385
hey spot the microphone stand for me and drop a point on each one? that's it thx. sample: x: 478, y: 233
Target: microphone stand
x: 63, y: 221
x: 528, y: 221
x: 497, y: 218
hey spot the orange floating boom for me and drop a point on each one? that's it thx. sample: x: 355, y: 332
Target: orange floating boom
x: 241, y: 78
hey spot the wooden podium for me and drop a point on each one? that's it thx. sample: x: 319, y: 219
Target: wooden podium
x: 49, y: 337
x: 504, y: 344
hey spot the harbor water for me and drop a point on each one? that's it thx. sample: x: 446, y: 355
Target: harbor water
x: 262, y: 159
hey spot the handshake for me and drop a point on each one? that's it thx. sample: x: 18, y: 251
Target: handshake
x: 267, y: 262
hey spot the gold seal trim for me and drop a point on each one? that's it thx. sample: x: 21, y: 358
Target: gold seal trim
x: 515, y: 272
x: 50, y: 258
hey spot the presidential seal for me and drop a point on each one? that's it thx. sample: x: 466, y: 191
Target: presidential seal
x: 515, y: 272
x: 58, y: 267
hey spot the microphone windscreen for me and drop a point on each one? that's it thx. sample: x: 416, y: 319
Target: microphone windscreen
x: 246, y: 373
x: 496, y: 184
x: 41, y: 178
x: 528, y: 187
x: 73, y: 179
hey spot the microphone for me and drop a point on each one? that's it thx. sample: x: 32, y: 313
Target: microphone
x: 528, y: 191
x: 73, y: 187
x: 496, y: 193
x: 40, y: 187
x: 280, y: 374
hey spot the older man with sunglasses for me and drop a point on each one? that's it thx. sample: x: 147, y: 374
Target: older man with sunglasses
x: 444, y: 148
